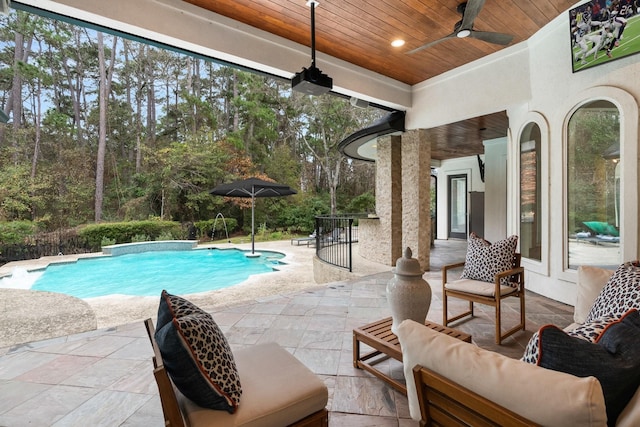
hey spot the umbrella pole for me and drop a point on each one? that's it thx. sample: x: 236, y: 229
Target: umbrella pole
x: 252, y: 222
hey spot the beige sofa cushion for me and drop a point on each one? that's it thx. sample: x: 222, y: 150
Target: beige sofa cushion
x: 591, y: 280
x: 544, y: 396
x: 478, y: 287
x: 277, y: 390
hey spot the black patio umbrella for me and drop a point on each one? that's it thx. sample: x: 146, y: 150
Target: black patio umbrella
x: 252, y: 187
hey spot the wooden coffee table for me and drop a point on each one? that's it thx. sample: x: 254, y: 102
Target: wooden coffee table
x: 378, y: 336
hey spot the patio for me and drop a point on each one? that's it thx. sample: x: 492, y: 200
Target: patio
x: 104, y: 377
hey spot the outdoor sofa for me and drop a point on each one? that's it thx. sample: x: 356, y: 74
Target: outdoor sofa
x: 534, y: 393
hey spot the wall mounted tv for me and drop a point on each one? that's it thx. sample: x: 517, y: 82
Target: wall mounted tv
x: 603, y: 31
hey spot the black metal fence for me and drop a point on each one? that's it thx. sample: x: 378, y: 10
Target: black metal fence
x: 48, y: 244
x: 335, y: 236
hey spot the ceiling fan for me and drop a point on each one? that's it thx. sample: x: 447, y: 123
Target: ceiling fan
x: 464, y: 28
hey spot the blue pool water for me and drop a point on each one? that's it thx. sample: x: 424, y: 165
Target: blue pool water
x: 148, y: 273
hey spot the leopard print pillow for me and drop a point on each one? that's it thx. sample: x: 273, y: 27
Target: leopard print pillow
x: 197, y: 356
x: 173, y: 307
x: 619, y: 295
x: 590, y: 332
x: 484, y: 260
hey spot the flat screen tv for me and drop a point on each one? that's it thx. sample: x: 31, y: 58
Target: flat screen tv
x: 602, y: 31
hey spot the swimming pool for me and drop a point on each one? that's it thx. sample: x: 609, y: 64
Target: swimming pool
x: 148, y: 273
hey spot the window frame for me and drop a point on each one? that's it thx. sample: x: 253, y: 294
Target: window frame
x: 629, y: 188
x: 541, y: 266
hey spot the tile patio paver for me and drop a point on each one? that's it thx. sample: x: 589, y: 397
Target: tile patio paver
x: 113, y: 385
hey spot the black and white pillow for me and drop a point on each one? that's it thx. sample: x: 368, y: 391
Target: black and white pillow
x: 619, y: 295
x: 484, y: 260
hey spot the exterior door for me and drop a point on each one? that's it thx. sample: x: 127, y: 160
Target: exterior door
x: 457, y: 206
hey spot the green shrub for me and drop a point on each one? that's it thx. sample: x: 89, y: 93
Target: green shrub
x: 165, y: 235
x: 140, y: 238
x: 124, y: 232
x: 364, y: 203
x: 13, y: 232
x: 107, y: 242
x: 278, y: 235
x: 302, y: 218
x: 205, y: 227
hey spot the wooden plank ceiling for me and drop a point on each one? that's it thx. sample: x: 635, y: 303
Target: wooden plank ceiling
x: 464, y: 138
x: 361, y: 31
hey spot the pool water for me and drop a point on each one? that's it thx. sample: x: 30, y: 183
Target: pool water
x: 148, y: 273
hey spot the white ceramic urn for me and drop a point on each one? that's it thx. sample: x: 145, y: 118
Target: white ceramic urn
x: 409, y: 295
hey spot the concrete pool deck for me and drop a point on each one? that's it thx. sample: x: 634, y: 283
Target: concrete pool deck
x: 27, y: 316
x: 105, y: 377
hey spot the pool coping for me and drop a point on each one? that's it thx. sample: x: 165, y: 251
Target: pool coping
x: 158, y: 245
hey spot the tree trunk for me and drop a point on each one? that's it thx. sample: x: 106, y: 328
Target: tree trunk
x: 140, y: 78
x: 36, y: 148
x: 105, y: 88
x: 236, y: 115
x: 20, y: 55
x: 151, y: 102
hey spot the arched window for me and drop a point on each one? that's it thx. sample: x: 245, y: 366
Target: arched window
x: 530, y: 192
x: 593, y: 185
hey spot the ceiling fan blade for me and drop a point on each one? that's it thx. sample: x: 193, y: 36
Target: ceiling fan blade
x: 489, y: 37
x: 471, y: 11
x: 424, y: 46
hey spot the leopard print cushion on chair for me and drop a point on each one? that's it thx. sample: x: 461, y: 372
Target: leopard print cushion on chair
x: 173, y: 307
x: 197, y: 356
x: 621, y: 293
x: 484, y: 260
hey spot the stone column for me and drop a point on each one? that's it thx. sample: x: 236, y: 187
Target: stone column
x: 380, y: 239
x: 416, y: 195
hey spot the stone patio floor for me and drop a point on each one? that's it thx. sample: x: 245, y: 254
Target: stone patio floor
x: 104, y: 377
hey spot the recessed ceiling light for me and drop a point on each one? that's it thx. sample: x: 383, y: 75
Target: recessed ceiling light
x: 397, y: 43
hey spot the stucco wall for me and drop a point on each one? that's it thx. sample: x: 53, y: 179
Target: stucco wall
x: 467, y: 166
x: 536, y: 78
x: 495, y: 200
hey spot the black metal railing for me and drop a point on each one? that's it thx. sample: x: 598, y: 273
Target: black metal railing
x: 335, y: 236
x: 46, y: 244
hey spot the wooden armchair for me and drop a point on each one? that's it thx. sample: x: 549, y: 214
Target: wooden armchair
x: 446, y: 403
x: 276, y: 387
x: 486, y: 293
x: 172, y: 414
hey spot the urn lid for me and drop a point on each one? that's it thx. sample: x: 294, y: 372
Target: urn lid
x: 407, y: 266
